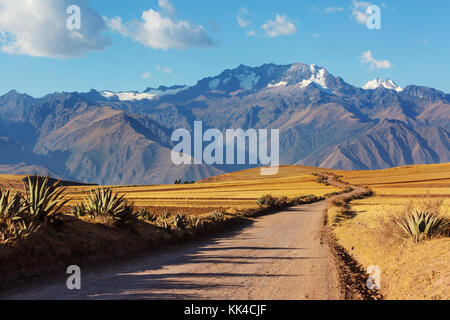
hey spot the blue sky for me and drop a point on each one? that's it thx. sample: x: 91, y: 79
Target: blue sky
x: 198, y: 38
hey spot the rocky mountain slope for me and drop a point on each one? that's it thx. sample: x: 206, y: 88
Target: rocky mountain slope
x: 124, y: 138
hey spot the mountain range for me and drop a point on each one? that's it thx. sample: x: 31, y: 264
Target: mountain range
x: 110, y: 137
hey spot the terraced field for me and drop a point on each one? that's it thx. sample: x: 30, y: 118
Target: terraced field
x: 229, y: 192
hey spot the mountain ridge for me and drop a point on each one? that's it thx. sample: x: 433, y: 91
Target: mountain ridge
x: 323, y: 121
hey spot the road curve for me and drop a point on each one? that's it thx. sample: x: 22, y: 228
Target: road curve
x: 274, y: 257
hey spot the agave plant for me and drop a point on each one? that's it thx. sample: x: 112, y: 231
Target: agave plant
x: 12, y: 230
x: 13, y: 217
x: 164, y: 224
x: 78, y: 210
x: 180, y: 221
x: 12, y: 206
x: 419, y: 225
x: 165, y: 215
x: 146, y: 215
x: 44, y: 200
x: 104, y: 202
x: 196, y: 221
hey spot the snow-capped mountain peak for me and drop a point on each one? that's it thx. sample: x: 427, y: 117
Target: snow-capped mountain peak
x: 379, y: 83
x: 318, y: 76
x: 148, y: 94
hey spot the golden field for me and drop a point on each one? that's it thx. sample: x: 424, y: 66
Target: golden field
x: 235, y: 191
x: 409, y: 271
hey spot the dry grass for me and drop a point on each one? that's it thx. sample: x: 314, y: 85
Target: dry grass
x: 230, y: 192
x: 409, y: 270
x: 178, y: 213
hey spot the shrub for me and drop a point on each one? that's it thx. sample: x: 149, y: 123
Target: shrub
x: 332, y: 194
x: 322, y: 180
x: 282, y: 202
x: 310, y: 199
x: 217, y: 216
x: 267, y: 201
x: 103, y: 202
x: 340, y: 202
x: 419, y: 226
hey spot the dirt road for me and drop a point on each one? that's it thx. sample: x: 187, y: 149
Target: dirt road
x: 278, y: 256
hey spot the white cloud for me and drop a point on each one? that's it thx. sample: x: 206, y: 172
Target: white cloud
x: 146, y: 75
x: 367, y: 58
x: 38, y: 28
x: 359, y: 11
x: 282, y: 25
x: 334, y: 9
x: 164, y: 69
x: 167, y: 6
x: 316, y: 36
x: 159, y: 31
x: 243, y: 23
x: 241, y: 18
x: 251, y: 33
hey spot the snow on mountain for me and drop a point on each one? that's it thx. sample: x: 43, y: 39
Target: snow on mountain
x: 148, y: 94
x: 245, y: 78
x: 379, y: 83
x: 128, y: 96
x: 279, y: 84
x: 318, y: 76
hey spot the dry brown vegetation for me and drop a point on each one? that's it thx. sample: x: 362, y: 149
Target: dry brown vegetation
x: 412, y: 267
x: 105, y: 222
x: 368, y: 228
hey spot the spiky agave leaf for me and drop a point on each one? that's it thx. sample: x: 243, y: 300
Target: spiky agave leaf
x: 419, y: 225
x: 44, y: 200
x: 12, y: 206
x: 104, y: 202
x: 180, y: 221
